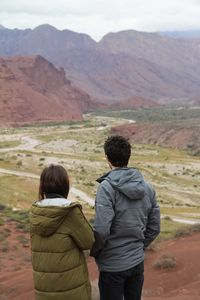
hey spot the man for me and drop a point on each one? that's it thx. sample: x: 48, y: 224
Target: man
x: 127, y: 220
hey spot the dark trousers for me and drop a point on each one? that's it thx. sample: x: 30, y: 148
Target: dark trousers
x: 125, y: 285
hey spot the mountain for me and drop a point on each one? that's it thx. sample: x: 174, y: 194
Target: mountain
x: 123, y: 65
x: 187, y: 34
x: 165, y: 67
x: 33, y: 90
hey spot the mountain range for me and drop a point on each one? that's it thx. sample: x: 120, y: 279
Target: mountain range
x: 187, y: 34
x: 121, y: 66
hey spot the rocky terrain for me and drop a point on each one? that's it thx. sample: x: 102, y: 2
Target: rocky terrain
x: 162, y: 134
x: 33, y: 90
x: 121, y: 66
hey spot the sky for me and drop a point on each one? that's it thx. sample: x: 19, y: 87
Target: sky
x: 98, y: 17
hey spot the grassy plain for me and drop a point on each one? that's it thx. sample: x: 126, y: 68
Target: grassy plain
x: 79, y: 148
x: 187, y: 116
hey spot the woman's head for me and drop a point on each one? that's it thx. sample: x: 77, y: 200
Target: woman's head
x: 54, y: 180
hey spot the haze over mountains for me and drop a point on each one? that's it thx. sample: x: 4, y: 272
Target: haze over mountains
x: 122, y: 65
x: 187, y: 34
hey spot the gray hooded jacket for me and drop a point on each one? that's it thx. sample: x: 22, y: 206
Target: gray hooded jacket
x: 127, y: 219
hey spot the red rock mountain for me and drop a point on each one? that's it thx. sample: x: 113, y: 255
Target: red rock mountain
x: 171, y: 136
x: 123, y: 65
x: 33, y: 90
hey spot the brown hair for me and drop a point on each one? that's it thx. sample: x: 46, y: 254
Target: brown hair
x: 54, y: 180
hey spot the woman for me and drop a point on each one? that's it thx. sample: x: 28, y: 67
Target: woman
x: 59, y: 234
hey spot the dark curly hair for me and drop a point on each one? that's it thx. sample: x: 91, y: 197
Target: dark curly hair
x: 118, y: 150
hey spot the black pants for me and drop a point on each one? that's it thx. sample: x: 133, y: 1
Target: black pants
x: 125, y: 285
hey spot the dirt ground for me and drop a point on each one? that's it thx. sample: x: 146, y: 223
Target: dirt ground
x: 181, y: 282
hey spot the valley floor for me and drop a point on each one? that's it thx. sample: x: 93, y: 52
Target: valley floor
x: 24, y: 152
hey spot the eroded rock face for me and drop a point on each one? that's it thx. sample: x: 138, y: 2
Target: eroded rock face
x: 162, y: 134
x: 33, y: 90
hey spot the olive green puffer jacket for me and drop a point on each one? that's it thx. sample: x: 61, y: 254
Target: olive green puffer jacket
x: 58, y: 237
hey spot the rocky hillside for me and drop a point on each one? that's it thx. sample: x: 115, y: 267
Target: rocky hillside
x: 171, y: 136
x: 33, y: 90
x: 123, y: 65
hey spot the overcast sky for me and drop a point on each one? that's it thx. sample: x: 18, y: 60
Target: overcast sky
x: 98, y: 17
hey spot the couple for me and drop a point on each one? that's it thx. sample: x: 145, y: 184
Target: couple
x: 127, y: 220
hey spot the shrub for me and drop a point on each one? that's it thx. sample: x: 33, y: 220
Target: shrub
x: 2, y: 222
x: 89, y: 184
x: 23, y: 240
x: 166, y: 262
x: 167, y: 218
x: 182, y: 232
x: 2, y: 206
x: 5, y: 246
x: 195, y: 228
x: 19, y: 163
x: 187, y: 231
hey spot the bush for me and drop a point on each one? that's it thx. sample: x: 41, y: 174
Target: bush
x: 187, y: 231
x: 166, y: 262
x: 2, y: 206
x: 182, y: 233
x: 167, y: 218
x: 196, y: 228
x: 19, y: 163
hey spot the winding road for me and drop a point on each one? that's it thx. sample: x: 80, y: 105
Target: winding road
x: 73, y: 191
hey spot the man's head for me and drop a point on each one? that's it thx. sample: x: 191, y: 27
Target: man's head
x: 118, y: 150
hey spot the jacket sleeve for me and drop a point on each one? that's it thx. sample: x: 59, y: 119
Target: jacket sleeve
x: 153, y: 221
x: 81, y: 230
x: 104, y: 214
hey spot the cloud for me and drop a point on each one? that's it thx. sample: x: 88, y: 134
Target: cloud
x: 97, y: 17
x: 51, y: 7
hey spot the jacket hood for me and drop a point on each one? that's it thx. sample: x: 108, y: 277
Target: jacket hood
x: 46, y: 217
x: 128, y: 181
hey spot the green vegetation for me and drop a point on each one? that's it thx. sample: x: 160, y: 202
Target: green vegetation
x: 169, y: 229
x: 184, y: 231
x: 18, y: 191
x: 23, y: 240
x: 21, y: 218
x: 178, y: 115
x: 9, y: 144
